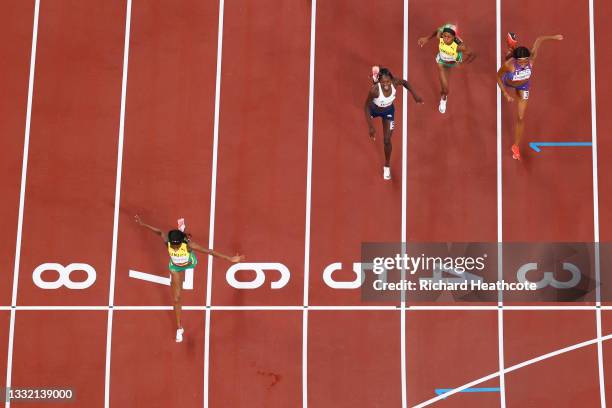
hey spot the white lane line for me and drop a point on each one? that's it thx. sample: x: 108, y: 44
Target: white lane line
x: 403, y: 365
x: 311, y: 79
x: 213, y: 196
x: 600, y: 363
x: 516, y: 367
x: 500, y: 235
x: 24, y: 171
x: 113, y: 266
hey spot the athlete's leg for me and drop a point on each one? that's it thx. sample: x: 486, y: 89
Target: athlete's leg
x: 520, y: 122
x: 387, y: 131
x: 176, y: 280
x: 443, y: 73
x: 520, y: 119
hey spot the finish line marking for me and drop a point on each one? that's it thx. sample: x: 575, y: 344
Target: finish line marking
x: 440, y: 391
x: 536, y: 145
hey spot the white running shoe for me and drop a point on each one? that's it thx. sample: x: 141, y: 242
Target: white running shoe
x: 179, y: 334
x: 387, y: 173
x: 442, y: 106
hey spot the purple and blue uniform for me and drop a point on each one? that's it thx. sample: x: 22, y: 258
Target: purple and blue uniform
x: 520, y: 73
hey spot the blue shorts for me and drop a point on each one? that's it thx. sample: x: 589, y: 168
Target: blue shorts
x: 507, y: 79
x: 387, y: 113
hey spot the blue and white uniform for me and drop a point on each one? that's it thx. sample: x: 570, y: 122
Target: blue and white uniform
x: 382, y: 106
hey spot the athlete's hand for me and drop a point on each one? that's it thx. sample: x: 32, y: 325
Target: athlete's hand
x: 558, y: 37
x: 418, y: 99
x: 137, y: 219
x: 372, y: 132
x: 422, y: 41
x: 509, y: 98
x: 236, y: 258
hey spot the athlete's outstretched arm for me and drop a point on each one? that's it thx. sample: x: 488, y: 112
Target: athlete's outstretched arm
x: 197, y: 247
x: 500, y: 74
x: 371, y: 95
x: 467, y: 52
x: 406, y: 85
x: 154, y: 229
x: 423, y: 40
x: 540, y: 40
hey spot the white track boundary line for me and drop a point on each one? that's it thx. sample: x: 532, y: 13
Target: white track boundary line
x: 113, y: 265
x: 533, y: 308
x: 339, y: 308
x: 516, y: 367
x: 311, y: 79
x: 24, y: 171
x: 213, y: 197
x: 403, y: 365
x: 600, y: 364
x: 56, y: 308
x: 500, y: 236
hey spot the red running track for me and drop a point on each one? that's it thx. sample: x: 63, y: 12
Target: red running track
x: 346, y: 352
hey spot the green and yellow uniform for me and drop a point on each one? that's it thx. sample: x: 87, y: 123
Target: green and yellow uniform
x: 448, y: 54
x: 182, y: 258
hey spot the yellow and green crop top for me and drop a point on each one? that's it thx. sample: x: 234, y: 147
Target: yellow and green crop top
x: 449, y: 52
x: 181, y: 256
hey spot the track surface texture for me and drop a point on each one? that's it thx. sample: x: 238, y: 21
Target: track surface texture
x: 246, y: 118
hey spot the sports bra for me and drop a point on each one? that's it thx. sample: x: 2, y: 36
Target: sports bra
x: 383, y: 101
x: 520, y: 73
x: 179, y: 257
x: 448, y: 53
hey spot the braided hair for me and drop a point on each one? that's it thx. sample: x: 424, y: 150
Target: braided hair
x: 177, y: 237
x: 521, y: 52
x: 450, y: 31
x: 385, y: 71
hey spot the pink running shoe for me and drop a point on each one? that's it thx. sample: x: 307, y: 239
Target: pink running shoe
x: 512, y: 40
x: 516, y: 153
x: 375, y: 71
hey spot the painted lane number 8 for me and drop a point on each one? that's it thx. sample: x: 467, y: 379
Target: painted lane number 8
x: 64, y: 276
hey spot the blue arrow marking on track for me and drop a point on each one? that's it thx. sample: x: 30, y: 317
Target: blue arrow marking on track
x: 440, y: 391
x: 536, y: 145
